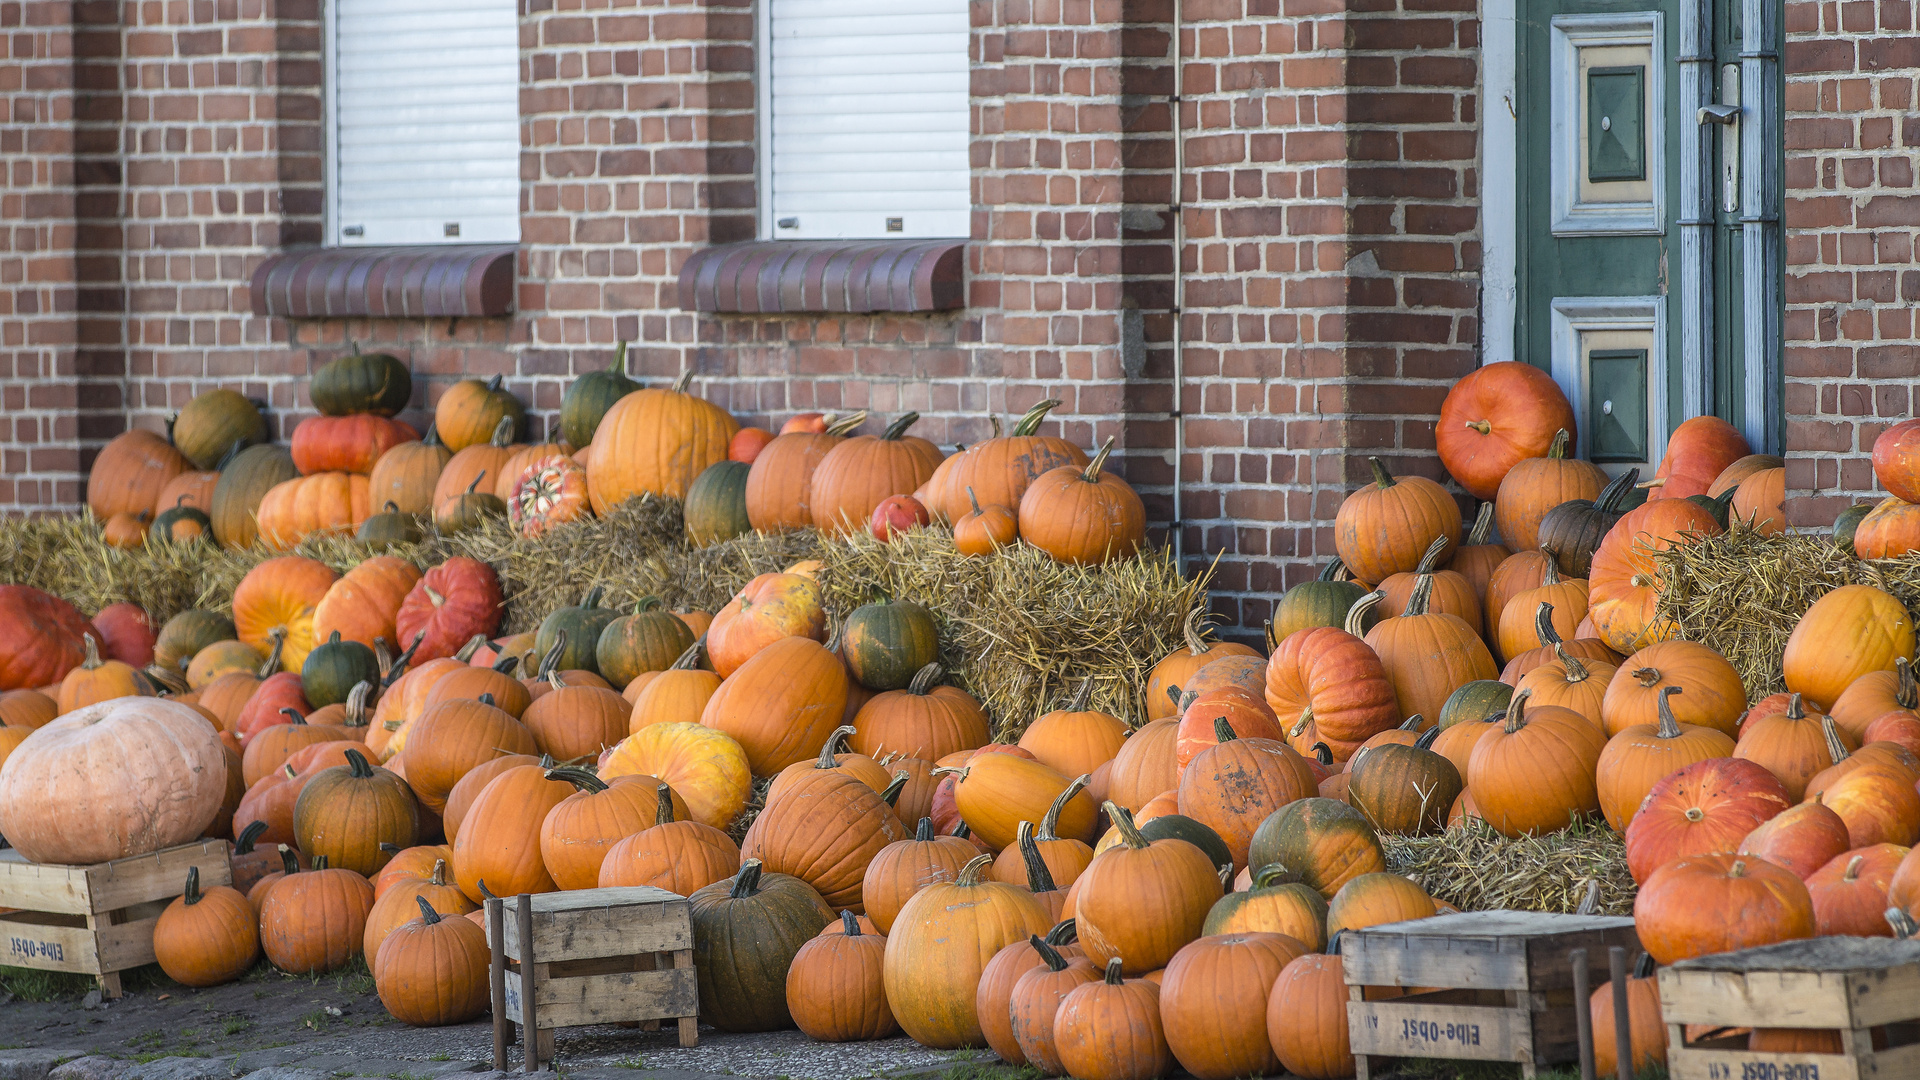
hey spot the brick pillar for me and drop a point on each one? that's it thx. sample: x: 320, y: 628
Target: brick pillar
x: 1851, y: 349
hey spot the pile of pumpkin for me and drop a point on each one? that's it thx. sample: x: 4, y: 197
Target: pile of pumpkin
x: 355, y: 470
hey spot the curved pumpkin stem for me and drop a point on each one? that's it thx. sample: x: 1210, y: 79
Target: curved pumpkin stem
x: 249, y: 836
x: 685, y: 380
x: 1112, y: 976
x: 426, y: 910
x: 439, y: 875
x: 1576, y: 671
x: 485, y: 893
x: 1324, y: 753
x: 357, y: 766
x: 475, y: 486
x: 646, y: 603
x: 1517, y: 711
x: 318, y: 862
x: 1904, y: 928
x: 1223, y: 731
x: 289, y: 862
x: 1039, y: 877
x: 923, y: 832
x: 1557, y: 450
x: 1482, y: 525
x: 1836, y: 749
x: 1425, y: 741
x: 93, y: 660
x: 1300, y: 726
x: 1543, y: 625
x: 278, y: 636
x: 1381, y: 477
x: 1092, y: 472
x: 1431, y: 557
x: 1795, y: 710
x: 1048, y: 954
x: 1669, y: 725
x: 1905, y: 694
x: 836, y: 743
x: 1552, y: 574
x: 552, y: 659
x: 1646, y: 676
x: 747, y: 882
x: 1852, y: 872
x: 1078, y: 703
x: 1122, y: 819
x: 502, y: 434
x: 899, y: 427
x: 1610, y: 496
x: 1064, y: 932
x: 973, y: 499
x: 555, y: 681
x: 619, y: 365
x: 466, y: 652
x: 845, y: 425
x: 192, y: 895
x: 292, y: 715
x: 663, y: 806
x: 689, y: 659
x: 1051, y: 821
x: 891, y: 796
x: 1359, y: 609
x: 1195, y: 631
x: 1590, y: 903
x: 849, y: 923
x: 974, y: 872
x: 581, y: 779
x: 1266, y: 876
x: 1030, y: 423
x: 1412, y: 723
x: 504, y: 664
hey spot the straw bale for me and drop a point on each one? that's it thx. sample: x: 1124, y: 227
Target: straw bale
x: 1475, y: 868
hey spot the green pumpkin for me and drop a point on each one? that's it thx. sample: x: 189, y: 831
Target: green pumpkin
x: 746, y: 931
x: 471, y: 510
x: 1848, y: 523
x: 162, y: 527
x: 1717, y: 505
x: 187, y: 633
x: 211, y: 425
x: 591, y: 395
x: 1573, y: 530
x: 333, y: 668
x: 244, y: 481
x: 650, y: 639
x: 1182, y: 827
x: 886, y: 643
x: 716, y: 503
x: 1325, y: 841
x: 362, y: 383
x: 1476, y: 700
x: 389, y: 527
x: 1323, y: 602
x: 1404, y: 790
x: 583, y: 626
x: 1270, y: 882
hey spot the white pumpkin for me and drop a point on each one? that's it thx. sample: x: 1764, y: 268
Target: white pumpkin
x: 119, y: 778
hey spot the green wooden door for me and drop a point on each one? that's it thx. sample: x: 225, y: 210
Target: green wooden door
x: 1632, y: 256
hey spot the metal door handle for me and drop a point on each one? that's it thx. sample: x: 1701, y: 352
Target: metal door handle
x: 1720, y: 114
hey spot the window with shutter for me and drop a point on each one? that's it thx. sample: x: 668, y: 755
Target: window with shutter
x: 864, y: 110
x: 424, y: 131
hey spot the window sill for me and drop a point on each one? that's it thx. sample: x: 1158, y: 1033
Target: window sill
x: 764, y: 277
x: 425, y: 281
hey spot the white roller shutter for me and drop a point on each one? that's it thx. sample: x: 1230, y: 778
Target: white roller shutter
x: 425, y: 109
x: 865, y: 110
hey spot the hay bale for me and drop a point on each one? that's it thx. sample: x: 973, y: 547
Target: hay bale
x: 66, y: 557
x: 1742, y: 593
x: 1475, y: 868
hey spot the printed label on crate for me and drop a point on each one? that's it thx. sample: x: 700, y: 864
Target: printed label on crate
x: 1400, y: 1029
x: 30, y: 949
x: 1763, y: 1070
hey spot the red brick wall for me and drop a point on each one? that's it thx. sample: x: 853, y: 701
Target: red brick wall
x: 1852, y: 348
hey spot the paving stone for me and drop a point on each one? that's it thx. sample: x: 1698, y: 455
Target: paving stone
x: 31, y: 1064
x: 182, y: 1068
x: 255, y: 1060
x: 605, y: 1073
x: 288, y: 1072
x: 92, y: 1067
x: 353, y: 1065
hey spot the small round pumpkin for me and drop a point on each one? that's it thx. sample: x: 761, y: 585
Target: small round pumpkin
x: 1086, y: 517
x: 1641, y: 755
x: 1713, y: 694
x: 1801, y: 838
x: 716, y: 504
x: 214, y: 424
x: 1385, y: 527
x: 1307, y: 1017
x: 1535, y: 486
x: 433, y: 971
x: 836, y: 987
x: 1111, y: 1029
x: 926, y: 720
x: 312, y: 922
x: 551, y: 492
x: 887, y: 642
x: 984, y: 530
x: 1537, y: 772
x: 353, y: 813
x: 469, y: 411
x: 674, y: 854
x: 1496, y: 417
x: 205, y: 938
x: 1142, y: 899
x: 1377, y: 899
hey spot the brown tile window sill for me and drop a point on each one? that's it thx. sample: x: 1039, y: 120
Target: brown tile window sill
x: 853, y: 276
x: 427, y: 281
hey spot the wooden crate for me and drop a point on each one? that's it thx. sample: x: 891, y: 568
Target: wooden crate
x: 1859, y: 987
x: 96, y: 920
x: 1492, y: 986
x: 592, y: 956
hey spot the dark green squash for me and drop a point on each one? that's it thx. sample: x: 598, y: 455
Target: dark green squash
x: 208, y: 428
x: 1404, y: 790
x: 332, y: 669
x: 362, y: 383
x: 1182, y: 827
x: 389, y: 527
x: 1475, y: 700
x: 162, y: 527
x: 1325, y: 841
x: 471, y: 510
x: 187, y: 633
x: 244, y: 481
x: 887, y: 642
x: 583, y: 625
x: 1269, y: 881
x: 746, y: 931
x: 1717, y: 505
x: 1574, y: 529
x: 591, y: 395
x: 1848, y: 523
x: 650, y: 639
x: 716, y: 504
x: 1323, y: 602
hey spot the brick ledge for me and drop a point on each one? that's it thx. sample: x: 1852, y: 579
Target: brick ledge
x: 851, y: 276
x: 424, y: 281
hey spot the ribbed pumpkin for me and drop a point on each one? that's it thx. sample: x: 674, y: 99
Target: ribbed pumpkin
x: 244, y: 482
x: 940, y: 944
x: 673, y: 853
x: 1034, y: 1000
x: 1877, y: 801
x: 1272, y: 904
x: 521, y: 462
x: 469, y: 412
x: 362, y: 604
x: 1874, y: 695
x: 856, y: 474
x: 1706, y: 807
x: 766, y: 609
x: 1686, y: 908
x: 824, y: 827
x: 1496, y: 417
x: 926, y: 720
x: 351, y: 444
x: 1427, y: 655
x: 1536, y: 773
x: 1448, y: 591
x: 432, y: 971
x: 277, y: 599
x: 450, y: 604
x: 590, y: 395
x: 887, y: 642
x: 746, y: 932
x: 324, y: 504
x: 1535, y: 486
x: 1375, y: 900
x: 995, y: 792
x: 1064, y: 858
x: 656, y: 441
x: 1853, y: 630
x: 1698, y: 451
x: 1307, y: 1017
x: 361, y: 383
x: 1332, y: 683
x: 781, y: 704
x: 482, y: 462
x: 1641, y: 755
x: 1325, y: 841
x: 716, y: 503
x: 1234, y: 785
x: 453, y: 737
x: 1888, y: 530
x: 1075, y: 740
x: 984, y: 530
x: 574, y: 723
x: 1141, y: 900
x: 579, y: 831
x: 1173, y: 670
x: 312, y: 922
x: 499, y: 841
x: 1850, y: 892
x: 1801, y: 838
x: 549, y: 492
x: 1324, y: 601
x: 906, y: 866
x: 1779, y: 733
x: 1000, y: 469
x: 1623, y: 582
x: 1404, y: 790
x: 836, y: 987
x: 191, y: 490
x: 131, y: 472
x: 706, y: 767
x: 1086, y: 517
x: 1213, y: 1003
x: 1145, y: 766
x: 1385, y: 527
x: 205, y: 938
x: 1567, y: 598
x: 779, y: 490
x: 1111, y: 1029
x: 350, y: 813
x: 1714, y: 696
x: 833, y: 757
x: 213, y: 424
x: 678, y: 695
x: 97, y: 680
x: 407, y: 474
x: 1647, y: 1036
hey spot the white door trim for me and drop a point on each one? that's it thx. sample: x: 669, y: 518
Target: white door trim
x: 1499, y: 182
x: 1574, y: 316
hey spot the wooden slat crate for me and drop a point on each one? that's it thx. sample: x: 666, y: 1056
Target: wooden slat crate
x: 1866, y: 989
x: 97, y: 920
x: 1490, y: 986
x: 592, y: 956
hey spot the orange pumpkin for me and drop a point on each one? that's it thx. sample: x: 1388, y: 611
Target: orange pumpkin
x: 1174, y: 669
x: 130, y: 472
x: 97, y: 680
x: 1567, y: 598
x: 1086, y: 517
x: 1516, y: 574
x: 1307, y: 1017
x: 1427, y: 656
x: 1000, y: 469
x: 579, y: 831
x: 1536, y: 485
x: 500, y: 838
x: 984, y: 530
x: 454, y: 737
x: 1888, y: 531
x: 324, y: 504
x: 1682, y: 910
x: 552, y: 491
x: 523, y: 458
x: 1874, y: 695
x: 1713, y: 695
x: 275, y: 603
x: 407, y: 473
x: 1760, y: 501
x: 1640, y: 756
x: 1698, y: 451
x: 1853, y: 630
x: 1792, y: 744
x: 1146, y: 765
x: 1140, y: 900
x: 765, y: 610
x: 1570, y: 683
x: 1623, y: 583
x: 1850, y: 892
x: 1706, y: 807
x: 1496, y: 417
x: 313, y: 922
x: 856, y: 474
x: 1386, y: 527
x: 678, y: 695
x: 706, y: 767
x: 780, y: 483
x: 1329, y: 686
x: 475, y: 467
x: 1801, y: 838
x: 470, y: 410
x: 1538, y: 771
x: 351, y: 444
x: 782, y: 704
x: 926, y: 720
x: 1213, y: 1003
x: 656, y: 441
x: 1449, y: 592
x: 362, y: 604
x: 674, y: 854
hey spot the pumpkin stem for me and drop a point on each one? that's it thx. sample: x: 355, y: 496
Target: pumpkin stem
x: 391, y: 849
x: 1643, y: 967
x: 1030, y: 423
x: 845, y: 425
x: 1425, y: 741
x: 1669, y: 726
x: 849, y: 924
x: 1482, y: 525
x: 1590, y: 903
x: 1051, y: 821
x: 93, y: 653
x: 1557, y: 450
x: 835, y: 743
x: 485, y: 893
x: 1381, y: 476
x: 1264, y: 877
x: 1355, y: 614
x: 1112, y: 975
x: 1064, y: 932
x: 555, y: 681
x: 475, y: 486
x: 974, y: 872
x: 466, y: 652
x: 278, y: 636
x: 1738, y: 869
x: 581, y: 779
x: 685, y: 380
x: 552, y: 659
x: 1431, y: 557
x: 1543, y: 625
x: 1906, y: 694
x: 1836, y: 749
x: 1195, y: 632
x: 382, y: 655
x: 289, y: 862
x: 486, y: 699
x: 1078, y: 703
x: 248, y: 837
x: 1646, y: 676
x: 619, y: 365
x: 357, y: 766
x: 891, y: 796
x: 1122, y: 819
x: 663, y: 805
x: 899, y: 427
x: 318, y: 862
x: 1610, y: 496
x: 747, y: 882
x: 689, y: 659
x: 925, y: 679
x: 1324, y: 753
x: 1039, y: 877
x: 192, y: 895
x: 592, y: 599
x: 1185, y: 701
x: 646, y: 603
x: 1576, y: 671
x: 1484, y: 427
x: 1852, y: 873
x: 973, y: 499
x: 1091, y: 474
x: 961, y: 831
x: 426, y: 910
x: 502, y: 434
x: 1048, y: 954
x: 1223, y: 731
x: 1412, y: 723
x: 439, y: 875
x: 1517, y: 711
x: 292, y: 716
x: 1795, y: 711
x: 1904, y: 928
x: 1300, y: 726
x: 924, y: 831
